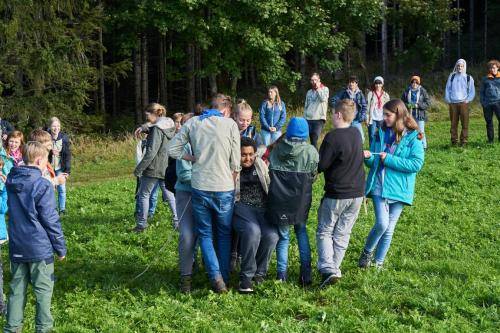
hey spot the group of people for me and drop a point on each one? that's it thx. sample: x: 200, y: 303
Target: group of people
x: 30, y: 173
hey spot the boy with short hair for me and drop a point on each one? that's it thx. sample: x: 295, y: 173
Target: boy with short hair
x: 35, y: 233
x: 341, y: 161
x: 353, y: 93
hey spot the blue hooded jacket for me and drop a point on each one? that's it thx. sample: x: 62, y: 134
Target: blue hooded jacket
x: 359, y: 100
x: 35, y: 231
x: 400, y: 168
x: 274, y: 116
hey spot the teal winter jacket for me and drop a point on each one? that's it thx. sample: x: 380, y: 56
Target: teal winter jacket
x: 400, y: 168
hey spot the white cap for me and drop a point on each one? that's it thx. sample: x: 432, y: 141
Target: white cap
x: 378, y: 78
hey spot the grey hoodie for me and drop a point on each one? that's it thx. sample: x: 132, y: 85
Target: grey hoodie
x: 155, y: 159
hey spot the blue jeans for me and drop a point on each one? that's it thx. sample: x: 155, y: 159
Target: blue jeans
x: 269, y: 137
x: 386, y: 217
x: 372, y: 129
x: 421, y: 128
x: 153, y: 201
x: 359, y: 126
x: 284, y: 242
x: 61, y: 194
x: 213, y: 211
x: 187, y: 236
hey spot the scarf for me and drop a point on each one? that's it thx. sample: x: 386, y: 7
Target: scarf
x: 209, y: 113
x: 352, y: 94
x: 409, y: 95
x: 379, y: 99
x: 490, y: 76
x: 17, y: 156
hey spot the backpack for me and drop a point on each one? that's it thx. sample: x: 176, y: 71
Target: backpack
x: 453, y: 77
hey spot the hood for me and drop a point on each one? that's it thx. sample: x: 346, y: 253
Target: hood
x: 22, y: 176
x: 460, y: 61
x: 288, y: 149
x: 166, y: 125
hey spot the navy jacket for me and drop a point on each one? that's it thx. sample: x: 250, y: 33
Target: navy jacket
x: 65, y: 153
x: 35, y: 231
x: 359, y: 100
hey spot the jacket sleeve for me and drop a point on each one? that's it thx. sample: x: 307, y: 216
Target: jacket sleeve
x: 323, y: 94
x: 425, y: 101
x: 327, y: 154
x: 282, y: 119
x: 335, y: 98
x: 176, y: 145
x: 363, y: 107
x: 481, y: 91
x: 184, y: 169
x: 447, y: 90
x: 262, y: 115
x: 3, y: 201
x: 67, y: 155
x: 369, y: 161
x: 153, y: 144
x: 45, y: 204
x: 404, y: 97
x: 235, y: 158
x: 471, y: 91
x: 410, y: 164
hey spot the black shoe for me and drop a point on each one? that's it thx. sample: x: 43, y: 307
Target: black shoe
x: 245, y: 286
x: 365, y: 259
x: 328, y: 280
x: 258, y: 279
x: 281, y: 276
x: 218, y: 286
x: 305, y: 278
x: 138, y: 230
x: 185, y: 284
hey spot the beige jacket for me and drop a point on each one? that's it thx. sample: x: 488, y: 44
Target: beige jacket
x: 262, y: 173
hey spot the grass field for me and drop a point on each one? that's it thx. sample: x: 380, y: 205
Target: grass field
x: 441, y: 274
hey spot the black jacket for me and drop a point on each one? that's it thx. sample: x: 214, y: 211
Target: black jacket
x: 65, y: 153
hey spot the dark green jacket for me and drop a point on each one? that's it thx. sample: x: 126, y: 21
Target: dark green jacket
x: 292, y: 168
x: 155, y: 159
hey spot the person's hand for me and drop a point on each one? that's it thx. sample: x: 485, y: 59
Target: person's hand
x: 367, y: 154
x: 189, y: 158
x: 137, y: 132
x: 56, y: 152
x: 3, y: 177
x: 61, y: 179
x: 272, y: 129
x: 4, y: 137
x: 61, y: 258
x: 383, y: 155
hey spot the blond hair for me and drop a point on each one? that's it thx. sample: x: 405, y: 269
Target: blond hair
x: 53, y: 120
x: 346, y: 108
x: 40, y: 135
x: 156, y: 109
x: 33, y: 150
x: 277, y: 100
x: 241, y: 106
x: 178, y: 116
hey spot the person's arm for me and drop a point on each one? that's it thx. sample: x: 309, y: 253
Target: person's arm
x: 323, y: 93
x: 235, y: 156
x: 404, y: 97
x: 481, y: 92
x: 363, y: 107
x: 424, y: 102
x: 45, y: 205
x: 447, y: 90
x: 184, y: 171
x: 471, y: 90
x: 411, y: 164
x: 153, y: 144
x: 306, y: 103
x: 262, y: 115
x: 175, y: 147
x: 67, y: 155
x: 282, y: 120
x: 3, y: 201
x: 327, y: 155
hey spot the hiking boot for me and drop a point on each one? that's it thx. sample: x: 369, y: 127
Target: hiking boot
x: 365, y: 259
x: 305, y: 278
x: 258, y: 279
x: 185, y: 284
x: 218, y: 286
x: 281, y: 276
x: 245, y: 286
x: 328, y: 280
x: 138, y: 230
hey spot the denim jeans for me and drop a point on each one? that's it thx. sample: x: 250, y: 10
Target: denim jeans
x: 386, y: 217
x: 153, y: 200
x: 168, y: 197
x: 143, y: 198
x: 284, y: 242
x: 187, y: 236
x: 372, y: 129
x: 421, y: 128
x: 315, y: 129
x: 269, y: 137
x: 359, y: 126
x: 258, y: 240
x: 489, y: 111
x: 61, y: 194
x: 213, y: 212
x: 336, y: 217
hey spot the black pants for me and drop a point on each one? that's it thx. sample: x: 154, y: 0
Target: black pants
x: 315, y: 129
x: 488, y: 116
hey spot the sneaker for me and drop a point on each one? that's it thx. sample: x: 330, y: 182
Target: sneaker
x: 175, y: 223
x: 365, y: 259
x: 62, y: 212
x: 138, y: 230
x: 258, y: 279
x: 185, y: 284
x: 328, y: 280
x: 281, y: 276
x: 305, y: 278
x: 379, y: 266
x: 218, y: 286
x: 245, y: 286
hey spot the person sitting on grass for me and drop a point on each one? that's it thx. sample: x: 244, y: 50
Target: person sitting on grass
x: 341, y: 161
x: 394, y: 159
x: 353, y: 92
x: 35, y: 233
x: 257, y: 236
x: 293, y: 164
x: 417, y: 101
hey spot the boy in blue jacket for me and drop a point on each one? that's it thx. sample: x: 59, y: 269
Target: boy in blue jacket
x: 35, y: 233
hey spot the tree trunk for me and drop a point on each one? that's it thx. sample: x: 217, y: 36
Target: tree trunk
x: 459, y: 34
x: 212, y: 81
x: 114, y: 107
x: 144, y: 72
x: 471, y: 31
x: 137, y: 84
x: 102, y: 96
x: 485, y: 31
x: 190, y: 83
x: 162, y: 70
x: 302, y: 67
x: 199, y: 91
x: 234, y: 84
x: 384, y: 43
x: 253, y: 76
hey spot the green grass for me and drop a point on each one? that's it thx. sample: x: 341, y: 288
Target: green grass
x: 441, y: 275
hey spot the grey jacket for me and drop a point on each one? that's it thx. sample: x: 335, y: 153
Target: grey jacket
x: 155, y: 159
